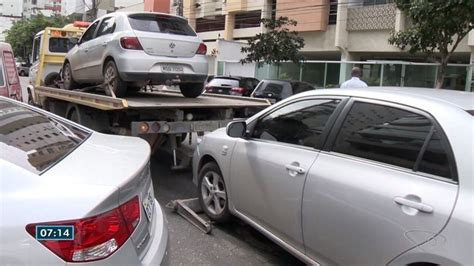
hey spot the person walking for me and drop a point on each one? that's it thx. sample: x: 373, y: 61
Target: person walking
x: 355, y: 81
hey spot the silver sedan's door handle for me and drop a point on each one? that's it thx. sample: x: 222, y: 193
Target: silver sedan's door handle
x: 295, y: 168
x: 104, y: 44
x: 413, y: 204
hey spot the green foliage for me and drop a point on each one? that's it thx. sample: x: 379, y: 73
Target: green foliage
x: 437, y: 26
x: 277, y: 45
x: 21, y: 34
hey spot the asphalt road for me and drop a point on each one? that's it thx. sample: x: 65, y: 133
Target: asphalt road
x: 234, y: 243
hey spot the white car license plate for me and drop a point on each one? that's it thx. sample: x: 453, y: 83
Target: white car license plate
x: 172, y: 68
x: 149, y: 203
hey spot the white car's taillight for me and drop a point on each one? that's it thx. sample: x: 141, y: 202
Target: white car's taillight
x: 130, y: 43
x: 96, y: 237
x: 238, y: 91
x: 202, y: 49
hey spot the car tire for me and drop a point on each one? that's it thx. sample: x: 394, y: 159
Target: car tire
x: 52, y: 79
x: 213, y: 193
x: 113, y: 81
x: 22, y: 73
x: 69, y: 82
x: 191, y: 90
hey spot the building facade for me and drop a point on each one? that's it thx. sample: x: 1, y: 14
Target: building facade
x: 341, y: 30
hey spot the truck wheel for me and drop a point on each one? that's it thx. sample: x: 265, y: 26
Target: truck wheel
x: 191, y: 90
x: 69, y: 82
x: 113, y: 81
x: 52, y: 79
x: 213, y: 193
x: 22, y: 73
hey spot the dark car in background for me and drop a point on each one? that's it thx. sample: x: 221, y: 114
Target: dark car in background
x: 232, y: 85
x: 23, y: 69
x: 277, y: 90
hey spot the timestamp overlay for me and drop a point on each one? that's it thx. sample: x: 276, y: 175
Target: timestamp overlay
x: 55, y: 232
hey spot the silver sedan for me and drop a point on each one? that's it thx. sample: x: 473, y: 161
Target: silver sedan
x: 370, y: 176
x: 71, y: 195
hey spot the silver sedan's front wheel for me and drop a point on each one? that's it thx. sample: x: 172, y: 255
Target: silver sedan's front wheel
x: 213, y: 193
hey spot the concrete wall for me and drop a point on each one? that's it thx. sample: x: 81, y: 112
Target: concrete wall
x: 320, y: 41
x: 11, y: 8
x: 310, y: 15
x: 157, y: 6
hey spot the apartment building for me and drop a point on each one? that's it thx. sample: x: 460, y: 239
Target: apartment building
x: 346, y: 30
x: 10, y: 12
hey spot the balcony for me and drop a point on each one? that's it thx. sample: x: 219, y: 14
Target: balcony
x: 375, y: 17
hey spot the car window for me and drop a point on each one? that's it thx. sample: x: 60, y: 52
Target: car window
x: 60, y: 45
x: 383, y: 133
x: 89, y: 34
x: 274, y: 90
x: 161, y: 24
x: 435, y: 159
x: 33, y: 140
x: 248, y: 84
x: 301, y: 123
x: 107, y: 26
x: 255, y: 83
x: 36, y: 48
x: 223, y: 82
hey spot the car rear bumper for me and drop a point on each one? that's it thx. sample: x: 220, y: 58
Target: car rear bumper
x: 139, y: 66
x: 158, y: 250
x: 163, y: 78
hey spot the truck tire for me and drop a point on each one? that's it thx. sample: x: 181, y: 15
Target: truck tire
x: 113, y: 81
x: 69, y: 82
x: 191, y: 90
x: 52, y: 79
x: 22, y: 73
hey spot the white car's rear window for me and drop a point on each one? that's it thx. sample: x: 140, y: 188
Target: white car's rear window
x: 33, y: 140
x: 224, y: 82
x: 160, y: 24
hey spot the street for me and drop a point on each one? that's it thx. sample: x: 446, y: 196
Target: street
x: 234, y: 243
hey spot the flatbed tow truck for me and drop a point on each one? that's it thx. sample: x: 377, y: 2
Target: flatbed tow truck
x: 158, y: 115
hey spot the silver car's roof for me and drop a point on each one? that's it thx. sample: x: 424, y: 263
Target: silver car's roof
x: 461, y: 99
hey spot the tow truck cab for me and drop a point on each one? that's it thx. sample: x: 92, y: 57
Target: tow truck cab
x: 9, y: 80
x: 50, y: 46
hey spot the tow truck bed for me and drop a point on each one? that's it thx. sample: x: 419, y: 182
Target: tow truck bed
x: 163, y: 99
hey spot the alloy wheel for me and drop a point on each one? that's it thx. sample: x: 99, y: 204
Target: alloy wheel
x: 110, y: 79
x: 213, y: 193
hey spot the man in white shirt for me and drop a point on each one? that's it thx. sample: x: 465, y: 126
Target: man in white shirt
x: 355, y: 81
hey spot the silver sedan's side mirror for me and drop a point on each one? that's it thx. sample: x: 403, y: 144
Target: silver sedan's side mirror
x: 236, y: 129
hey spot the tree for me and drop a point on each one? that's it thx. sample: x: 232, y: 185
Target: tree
x: 277, y: 45
x: 21, y: 34
x: 437, y: 28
